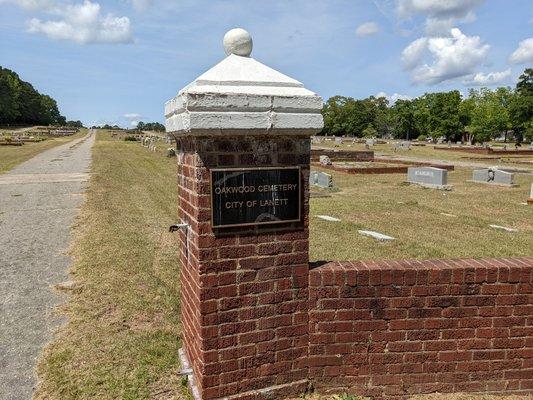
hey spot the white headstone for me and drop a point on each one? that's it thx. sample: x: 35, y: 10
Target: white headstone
x: 325, y: 160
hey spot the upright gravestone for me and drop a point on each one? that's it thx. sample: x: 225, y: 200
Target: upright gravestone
x: 431, y: 177
x: 242, y: 134
x: 321, y: 179
x: 493, y: 176
x: 324, y: 160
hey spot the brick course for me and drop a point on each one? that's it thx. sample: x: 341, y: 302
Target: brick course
x: 403, y: 327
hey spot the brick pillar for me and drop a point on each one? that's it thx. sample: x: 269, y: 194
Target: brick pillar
x: 244, y: 268
x: 244, y: 290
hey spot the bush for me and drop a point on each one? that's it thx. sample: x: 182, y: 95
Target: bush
x: 422, y: 138
x: 130, y: 138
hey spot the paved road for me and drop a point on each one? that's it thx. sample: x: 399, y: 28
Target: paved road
x: 38, y: 203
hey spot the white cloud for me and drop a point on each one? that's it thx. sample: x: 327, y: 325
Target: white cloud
x: 141, y: 5
x: 450, y: 57
x: 492, y: 78
x: 32, y: 5
x: 83, y: 23
x: 367, y: 29
x: 441, y: 15
x: 524, y: 53
x: 393, y: 98
x: 134, y: 123
x: 132, y: 116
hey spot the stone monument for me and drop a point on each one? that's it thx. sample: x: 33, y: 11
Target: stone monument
x: 431, y: 177
x: 493, y: 176
x: 321, y: 179
x: 242, y: 134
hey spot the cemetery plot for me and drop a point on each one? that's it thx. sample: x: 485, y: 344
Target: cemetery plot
x: 383, y: 166
x: 426, y: 223
x: 423, y: 153
x: 28, y: 146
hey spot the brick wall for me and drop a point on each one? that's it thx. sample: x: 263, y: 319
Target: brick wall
x: 395, y: 328
x: 245, y: 291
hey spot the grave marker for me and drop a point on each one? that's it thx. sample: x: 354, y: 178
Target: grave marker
x: 430, y: 177
x: 321, y: 179
x: 493, y: 176
x: 325, y: 160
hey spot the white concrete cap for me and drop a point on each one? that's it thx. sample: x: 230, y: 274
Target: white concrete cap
x: 238, y: 41
x: 241, y: 95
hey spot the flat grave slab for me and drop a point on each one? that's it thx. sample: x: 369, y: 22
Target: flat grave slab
x: 328, y: 218
x: 503, y: 228
x: 376, y: 235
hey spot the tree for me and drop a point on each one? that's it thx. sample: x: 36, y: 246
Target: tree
x: 404, y: 118
x: 151, y: 126
x: 21, y: 104
x: 489, y: 113
x: 521, y: 107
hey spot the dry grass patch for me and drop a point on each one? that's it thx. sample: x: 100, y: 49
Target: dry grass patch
x: 122, y: 335
x: 10, y: 156
x: 426, y: 223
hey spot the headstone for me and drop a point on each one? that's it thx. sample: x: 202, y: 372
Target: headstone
x: 338, y: 140
x: 321, y: 179
x: 370, y: 142
x: 325, y: 160
x: 328, y: 218
x: 402, y: 146
x: 503, y: 228
x: 431, y: 177
x: 493, y: 176
x: 376, y: 235
x: 171, y: 152
x: 530, y: 200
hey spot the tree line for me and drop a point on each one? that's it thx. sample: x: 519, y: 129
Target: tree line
x: 481, y: 116
x: 151, y: 126
x: 21, y: 104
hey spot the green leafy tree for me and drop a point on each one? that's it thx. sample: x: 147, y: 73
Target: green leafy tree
x: 521, y: 107
x: 489, y: 113
x: 21, y: 104
x: 404, y: 119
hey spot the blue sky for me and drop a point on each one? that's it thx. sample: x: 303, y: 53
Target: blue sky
x: 119, y: 61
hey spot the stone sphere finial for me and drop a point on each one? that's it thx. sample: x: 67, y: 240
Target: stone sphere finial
x: 238, y: 41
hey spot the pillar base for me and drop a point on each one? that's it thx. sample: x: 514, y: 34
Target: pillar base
x: 186, y: 366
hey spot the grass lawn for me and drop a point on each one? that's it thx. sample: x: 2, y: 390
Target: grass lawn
x: 122, y: 336
x: 11, y: 156
x: 412, y: 215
